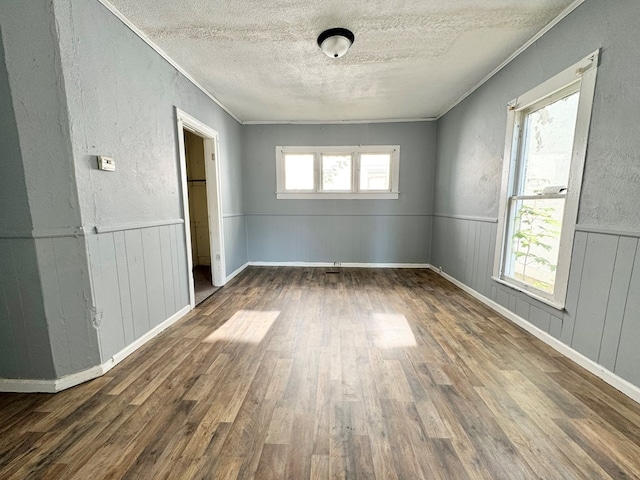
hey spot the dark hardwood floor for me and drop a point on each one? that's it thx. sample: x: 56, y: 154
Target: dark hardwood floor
x: 294, y: 373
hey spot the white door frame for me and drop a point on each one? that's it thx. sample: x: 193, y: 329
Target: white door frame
x: 214, y: 203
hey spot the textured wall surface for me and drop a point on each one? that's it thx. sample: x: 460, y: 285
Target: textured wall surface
x: 39, y: 99
x: 364, y: 231
x: 602, y: 315
x: 122, y: 96
x: 14, y: 214
x: 122, y: 99
x: 47, y: 304
x: 15, y: 351
x: 122, y: 105
x: 80, y: 83
x: 471, y: 136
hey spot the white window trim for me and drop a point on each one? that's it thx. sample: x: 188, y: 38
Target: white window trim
x: 584, y: 72
x: 355, y: 193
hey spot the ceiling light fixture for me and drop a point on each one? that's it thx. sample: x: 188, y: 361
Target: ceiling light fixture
x: 335, y: 42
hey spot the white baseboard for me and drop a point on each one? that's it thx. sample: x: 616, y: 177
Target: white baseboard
x: 68, y: 381
x: 27, y: 386
x: 341, y: 264
x: 629, y: 389
x: 74, y: 379
x: 19, y: 385
x: 236, y: 273
x: 129, y: 349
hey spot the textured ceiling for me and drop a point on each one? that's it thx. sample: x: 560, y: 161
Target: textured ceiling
x: 411, y: 59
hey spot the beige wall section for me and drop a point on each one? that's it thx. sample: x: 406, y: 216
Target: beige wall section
x: 196, y: 180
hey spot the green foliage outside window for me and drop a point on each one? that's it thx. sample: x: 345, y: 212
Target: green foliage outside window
x: 537, y: 229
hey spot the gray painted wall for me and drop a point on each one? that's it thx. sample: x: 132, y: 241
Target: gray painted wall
x: 15, y: 351
x: 25, y: 349
x: 14, y: 215
x: 363, y: 231
x: 602, y: 317
x: 33, y: 63
x: 46, y: 299
x: 121, y: 104
x: 82, y: 84
x: 122, y: 96
x: 235, y: 233
x: 138, y: 282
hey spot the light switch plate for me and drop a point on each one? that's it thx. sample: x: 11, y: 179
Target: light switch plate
x: 106, y: 163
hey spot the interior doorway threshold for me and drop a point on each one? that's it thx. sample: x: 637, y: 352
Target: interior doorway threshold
x: 202, y: 283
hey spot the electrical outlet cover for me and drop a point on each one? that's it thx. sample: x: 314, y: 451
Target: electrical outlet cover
x: 106, y: 163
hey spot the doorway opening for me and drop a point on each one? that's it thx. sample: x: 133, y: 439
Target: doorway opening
x: 201, y: 206
x: 198, y: 216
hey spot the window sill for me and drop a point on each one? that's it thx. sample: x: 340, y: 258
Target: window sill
x: 557, y: 305
x: 337, y: 196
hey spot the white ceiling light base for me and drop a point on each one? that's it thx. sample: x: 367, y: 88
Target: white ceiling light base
x: 335, y: 42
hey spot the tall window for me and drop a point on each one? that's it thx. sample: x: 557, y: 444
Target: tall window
x: 546, y: 141
x: 338, y: 172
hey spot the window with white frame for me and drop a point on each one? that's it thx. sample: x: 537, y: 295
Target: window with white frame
x: 545, y: 149
x: 365, y: 172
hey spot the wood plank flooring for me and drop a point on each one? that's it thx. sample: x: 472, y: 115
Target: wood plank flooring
x: 295, y: 373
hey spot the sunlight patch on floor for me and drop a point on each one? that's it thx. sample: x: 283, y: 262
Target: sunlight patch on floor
x: 247, y: 326
x: 391, y: 330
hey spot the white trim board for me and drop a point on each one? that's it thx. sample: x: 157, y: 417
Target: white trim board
x: 621, y: 232
x: 129, y: 349
x: 68, y: 381
x: 338, y: 122
x: 338, y: 214
x: 236, y: 272
x: 136, y: 226
x: 62, y: 232
x: 339, y: 264
x: 50, y: 386
x: 186, y: 122
x: 338, y: 196
x: 467, y: 217
x: 620, y: 384
x: 580, y: 79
